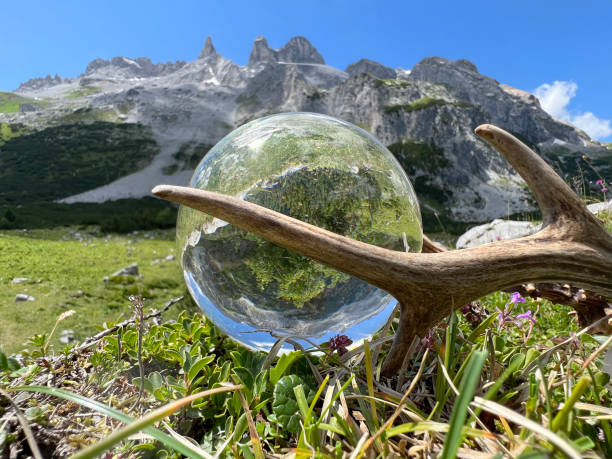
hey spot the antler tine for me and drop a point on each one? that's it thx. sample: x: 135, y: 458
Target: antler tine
x: 367, y: 262
x: 554, y: 196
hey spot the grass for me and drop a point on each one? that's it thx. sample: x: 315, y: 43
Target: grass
x: 470, y: 387
x: 60, y: 263
x: 9, y: 102
x: 8, y: 131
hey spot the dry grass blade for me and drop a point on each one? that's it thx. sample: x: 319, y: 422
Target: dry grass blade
x: 592, y: 407
x: 25, y: 426
x: 594, y: 355
x: 357, y: 452
x: 500, y: 410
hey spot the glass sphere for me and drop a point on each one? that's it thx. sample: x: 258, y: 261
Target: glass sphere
x: 317, y: 169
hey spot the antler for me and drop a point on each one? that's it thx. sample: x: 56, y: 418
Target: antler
x: 573, y: 247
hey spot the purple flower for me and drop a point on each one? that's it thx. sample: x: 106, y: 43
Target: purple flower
x: 515, y: 299
x: 527, y: 316
x: 339, y: 343
x: 603, y: 185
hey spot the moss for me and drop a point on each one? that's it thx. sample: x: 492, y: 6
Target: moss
x: 88, y: 115
x: 392, y: 83
x: 82, y: 92
x: 422, y: 104
x: 416, y: 155
x: 171, y: 169
x: 190, y: 154
x: 247, y: 102
x: 317, y: 95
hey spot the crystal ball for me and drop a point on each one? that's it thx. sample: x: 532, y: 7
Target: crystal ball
x: 320, y: 170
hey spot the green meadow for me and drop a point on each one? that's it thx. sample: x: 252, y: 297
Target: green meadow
x: 66, y: 268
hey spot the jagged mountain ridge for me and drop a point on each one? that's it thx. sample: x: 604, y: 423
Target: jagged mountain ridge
x: 426, y: 116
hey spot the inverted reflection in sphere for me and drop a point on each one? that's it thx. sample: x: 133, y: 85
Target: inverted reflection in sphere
x: 317, y: 169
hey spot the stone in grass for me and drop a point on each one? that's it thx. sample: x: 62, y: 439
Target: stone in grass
x: 19, y: 280
x: 66, y: 336
x: 131, y: 270
x: 23, y: 297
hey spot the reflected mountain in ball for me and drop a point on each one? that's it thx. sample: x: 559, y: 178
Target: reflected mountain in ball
x: 319, y: 170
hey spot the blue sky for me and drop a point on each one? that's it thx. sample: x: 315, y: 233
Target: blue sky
x: 526, y: 44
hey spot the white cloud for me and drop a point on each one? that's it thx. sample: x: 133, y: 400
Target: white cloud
x: 555, y: 98
x: 593, y: 126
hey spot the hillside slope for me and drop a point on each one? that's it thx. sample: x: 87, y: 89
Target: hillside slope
x: 125, y: 125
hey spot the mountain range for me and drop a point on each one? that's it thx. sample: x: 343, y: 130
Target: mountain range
x: 127, y: 124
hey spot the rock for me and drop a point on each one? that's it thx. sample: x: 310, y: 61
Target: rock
x: 497, y: 230
x: 208, y: 50
x: 601, y: 207
x: 300, y: 50
x: 297, y: 50
x: 19, y: 280
x: 425, y: 116
x: 66, y: 336
x: 131, y: 270
x: 371, y: 67
x: 261, y: 52
x: 25, y: 108
x: 170, y: 258
x: 23, y: 297
x: 501, y: 230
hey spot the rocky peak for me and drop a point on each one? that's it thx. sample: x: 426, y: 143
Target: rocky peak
x: 208, y: 50
x: 299, y: 50
x: 371, y: 67
x: 125, y: 67
x: 39, y: 83
x: 261, y: 52
x: 439, y: 69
